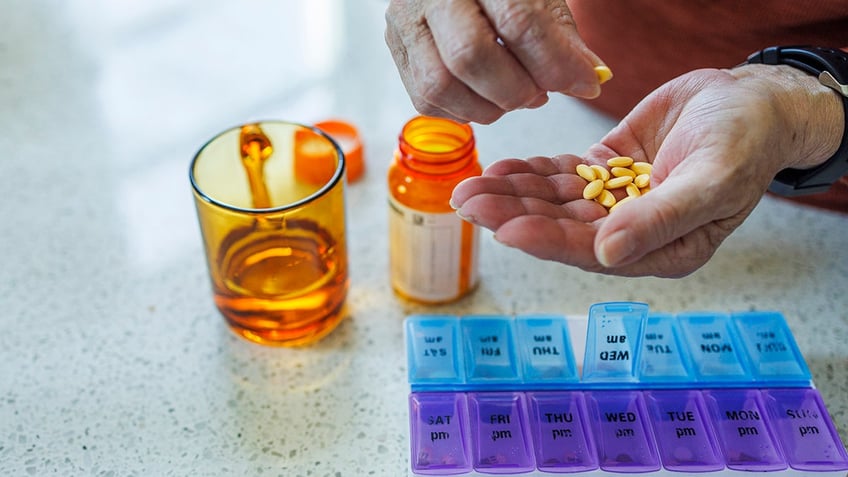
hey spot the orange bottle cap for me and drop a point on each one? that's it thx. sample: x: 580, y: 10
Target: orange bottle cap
x: 314, y: 157
x: 347, y: 137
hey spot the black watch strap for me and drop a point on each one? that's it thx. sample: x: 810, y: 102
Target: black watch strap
x: 830, y: 65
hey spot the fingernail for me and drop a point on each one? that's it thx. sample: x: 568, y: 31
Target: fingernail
x: 615, y: 249
x: 585, y: 90
x: 537, y: 102
x: 467, y: 218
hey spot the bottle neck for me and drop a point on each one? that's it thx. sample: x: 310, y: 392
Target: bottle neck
x: 436, y: 146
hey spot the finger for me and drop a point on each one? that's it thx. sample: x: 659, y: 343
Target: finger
x: 552, y: 179
x: 674, y: 260
x: 543, y: 38
x: 565, y: 163
x: 508, y: 166
x: 469, y: 48
x: 432, y: 88
x: 571, y: 242
x: 557, y: 189
x: 561, y: 240
x: 492, y: 211
x: 669, y: 212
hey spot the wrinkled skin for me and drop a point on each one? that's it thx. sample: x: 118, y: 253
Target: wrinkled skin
x: 716, y: 138
x: 715, y: 142
x: 452, y: 66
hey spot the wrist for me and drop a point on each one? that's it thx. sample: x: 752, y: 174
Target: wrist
x: 810, y: 116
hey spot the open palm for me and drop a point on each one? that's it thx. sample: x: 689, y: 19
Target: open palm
x: 711, y: 141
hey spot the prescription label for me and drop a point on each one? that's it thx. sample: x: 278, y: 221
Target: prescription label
x: 433, y: 256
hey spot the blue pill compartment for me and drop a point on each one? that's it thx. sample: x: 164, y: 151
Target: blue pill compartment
x: 613, y: 342
x: 665, y: 357
x: 544, y: 349
x: 716, y: 353
x: 772, y: 353
x: 621, y: 344
x: 433, y: 350
x: 489, y: 349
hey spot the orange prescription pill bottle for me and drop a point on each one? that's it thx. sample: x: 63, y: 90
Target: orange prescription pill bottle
x: 433, y: 252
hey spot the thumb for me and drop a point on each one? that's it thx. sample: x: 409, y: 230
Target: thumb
x: 545, y: 40
x: 650, y: 222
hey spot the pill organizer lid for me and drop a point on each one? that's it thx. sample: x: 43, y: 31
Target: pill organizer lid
x: 717, y: 354
x: 773, y: 355
x: 490, y: 356
x: 545, y: 350
x: 613, y: 341
x: 433, y: 350
x: 665, y: 358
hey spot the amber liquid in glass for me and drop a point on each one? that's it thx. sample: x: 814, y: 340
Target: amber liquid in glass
x: 284, y: 281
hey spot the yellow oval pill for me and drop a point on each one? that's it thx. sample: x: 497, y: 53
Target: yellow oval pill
x: 642, y: 180
x: 644, y: 190
x: 593, y: 189
x: 606, y: 199
x: 632, y: 190
x: 620, y: 161
x: 621, y: 172
x: 618, y: 182
x: 641, y: 167
x: 586, y: 172
x: 604, y: 73
x: 615, y: 206
x: 600, y: 172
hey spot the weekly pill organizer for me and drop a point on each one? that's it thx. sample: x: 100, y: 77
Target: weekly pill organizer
x: 720, y: 394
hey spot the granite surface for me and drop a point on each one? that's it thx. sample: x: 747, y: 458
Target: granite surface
x: 113, y: 359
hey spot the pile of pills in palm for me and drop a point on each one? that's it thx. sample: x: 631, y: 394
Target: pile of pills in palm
x: 623, y: 173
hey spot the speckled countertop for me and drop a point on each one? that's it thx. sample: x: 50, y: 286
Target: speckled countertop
x: 113, y: 360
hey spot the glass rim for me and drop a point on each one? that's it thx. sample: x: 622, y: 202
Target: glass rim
x: 338, y: 174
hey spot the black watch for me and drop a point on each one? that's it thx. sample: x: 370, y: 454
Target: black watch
x: 830, y: 65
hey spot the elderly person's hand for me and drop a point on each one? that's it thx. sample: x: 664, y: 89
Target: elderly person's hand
x: 716, y: 138
x: 474, y: 60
